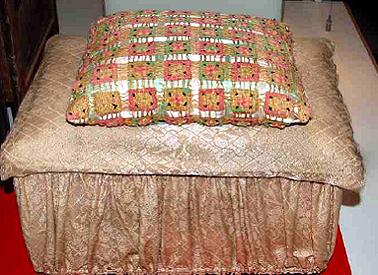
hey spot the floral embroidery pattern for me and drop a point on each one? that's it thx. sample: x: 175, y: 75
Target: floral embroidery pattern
x: 142, y: 70
x: 109, y: 39
x: 142, y: 49
x: 211, y: 48
x: 244, y: 50
x: 244, y: 101
x: 178, y: 99
x: 142, y: 32
x: 147, y: 13
x: 211, y: 100
x: 180, y: 67
x: 177, y: 30
x: 107, y: 103
x: 239, y: 23
x: 244, y: 36
x: 177, y: 70
x: 107, y: 73
x: 143, y: 20
x: 210, y: 21
x: 245, y: 72
x: 178, y: 47
x: 210, y: 32
x: 278, y: 105
x: 143, y: 99
x: 212, y: 71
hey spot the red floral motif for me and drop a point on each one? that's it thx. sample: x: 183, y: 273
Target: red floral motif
x: 138, y: 49
x: 245, y: 72
x: 142, y: 99
x: 244, y: 50
x: 178, y: 99
x: 141, y: 70
x: 280, y: 105
x: 143, y: 31
x: 177, y: 70
x: 143, y: 20
x: 147, y: 12
x: 177, y: 30
x: 210, y: 69
x: 211, y: 48
x: 110, y: 39
x: 244, y: 101
x: 178, y: 12
x: 105, y: 73
x: 278, y: 60
x: 209, y: 32
x: 242, y: 36
x: 211, y: 100
x: 178, y: 47
x: 210, y: 21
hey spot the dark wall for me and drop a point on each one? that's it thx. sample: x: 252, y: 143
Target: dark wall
x: 365, y: 13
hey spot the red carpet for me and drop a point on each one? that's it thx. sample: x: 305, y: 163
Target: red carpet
x: 14, y: 258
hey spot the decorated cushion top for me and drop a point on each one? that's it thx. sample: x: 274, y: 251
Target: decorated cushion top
x: 143, y: 67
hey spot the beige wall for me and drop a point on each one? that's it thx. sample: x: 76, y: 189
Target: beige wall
x: 76, y: 16
x: 262, y: 8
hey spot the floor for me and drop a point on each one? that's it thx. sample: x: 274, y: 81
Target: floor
x: 358, y: 82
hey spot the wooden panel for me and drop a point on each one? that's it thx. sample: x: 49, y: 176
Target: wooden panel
x: 30, y: 23
x: 6, y: 88
x: 33, y: 21
x: 25, y: 26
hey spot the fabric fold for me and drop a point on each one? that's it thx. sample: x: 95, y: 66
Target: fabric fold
x: 176, y: 225
x: 322, y: 151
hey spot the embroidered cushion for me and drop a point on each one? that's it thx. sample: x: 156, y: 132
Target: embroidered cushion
x: 142, y: 67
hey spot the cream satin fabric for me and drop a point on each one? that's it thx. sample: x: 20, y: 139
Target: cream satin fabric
x: 79, y: 216
x: 93, y: 224
x: 322, y: 151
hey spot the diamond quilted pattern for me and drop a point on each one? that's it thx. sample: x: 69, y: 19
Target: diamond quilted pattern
x: 323, y: 151
x: 112, y: 224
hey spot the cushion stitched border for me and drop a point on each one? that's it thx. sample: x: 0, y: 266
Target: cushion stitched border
x: 143, y: 67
